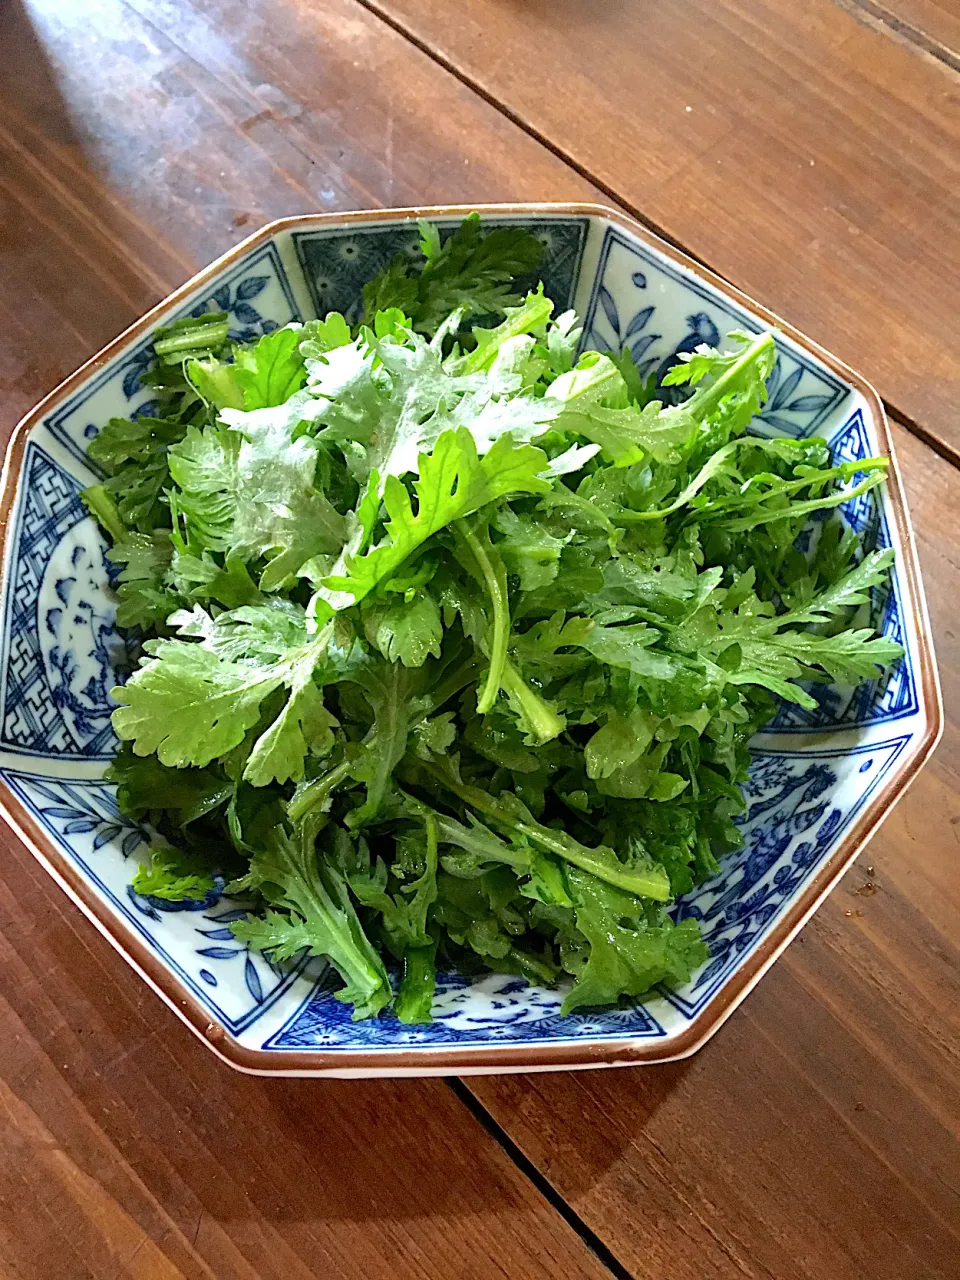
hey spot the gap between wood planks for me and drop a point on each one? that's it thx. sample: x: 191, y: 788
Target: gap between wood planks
x: 875, y: 15
x: 879, y: 18
x: 882, y: 18
x: 526, y: 1166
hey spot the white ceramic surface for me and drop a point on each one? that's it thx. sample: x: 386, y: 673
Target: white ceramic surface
x: 820, y: 783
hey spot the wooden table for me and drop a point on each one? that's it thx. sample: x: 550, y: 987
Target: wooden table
x: 808, y: 152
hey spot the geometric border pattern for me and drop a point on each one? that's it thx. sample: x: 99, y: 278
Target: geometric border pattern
x: 336, y: 264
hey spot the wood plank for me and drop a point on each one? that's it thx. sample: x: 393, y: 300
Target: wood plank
x: 932, y: 26
x: 127, y: 1148
x: 817, y: 1137
x: 135, y: 149
x: 808, y: 157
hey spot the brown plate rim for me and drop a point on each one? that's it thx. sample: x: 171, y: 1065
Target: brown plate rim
x: 420, y: 1060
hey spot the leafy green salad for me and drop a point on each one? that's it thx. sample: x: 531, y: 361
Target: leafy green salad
x: 454, y: 639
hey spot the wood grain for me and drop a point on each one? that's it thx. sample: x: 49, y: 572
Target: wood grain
x: 807, y: 157
x: 931, y: 26
x: 136, y: 148
x: 818, y: 1135
x: 126, y: 1148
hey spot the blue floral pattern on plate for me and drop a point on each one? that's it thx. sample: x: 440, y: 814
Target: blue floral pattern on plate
x: 256, y: 295
x: 60, y: 648
x: 61, y: 654
x: 641, y: 302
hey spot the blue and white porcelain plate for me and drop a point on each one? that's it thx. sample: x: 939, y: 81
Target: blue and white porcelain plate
x: 820, y: 783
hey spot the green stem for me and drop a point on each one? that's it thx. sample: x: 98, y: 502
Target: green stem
x: 543, y: 720
x: 430, y: 824
x: 748, y: 497
x: 648, y: 882
x: 797, y: 509
x: 104, y: 510
x: 708, y: 398
x: 419, y: 981
x: 316, y: 792
x: 500, y: 629
x: 196, y: 337
x: 418, y: 984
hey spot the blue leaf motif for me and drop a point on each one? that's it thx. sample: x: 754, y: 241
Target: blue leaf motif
x: 773, y: 382
x: 221, y: 297
x: 208, y: 977
x: 131, y: 841
x: 218, y: 953
x: 218, y: 935
x: 639, y: 279
x: 829, y: 827
x: 776, y: 420
x: 105, y: 835
x: 250, y: 287
x: 786, y: 389
x: 49, y: 794
x: 149, y: 409
x: 252, y: 979
x: 80, y: 826
x: 247, y: 314
x: 640, y: 346
x: 142, y: 904
x: 131, y: 379
x: 227, y: 916
x: 809, y: 404
x: 268, y: 326
x: 639, y: 321
x: 609, y: 309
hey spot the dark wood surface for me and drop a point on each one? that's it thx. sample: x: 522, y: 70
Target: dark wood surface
x: 817, y: 1135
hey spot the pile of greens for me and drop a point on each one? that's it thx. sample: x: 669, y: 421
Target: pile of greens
x: 454, y: 641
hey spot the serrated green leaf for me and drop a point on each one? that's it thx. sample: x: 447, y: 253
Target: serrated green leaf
x: 172, y: 877
x: 312, y: 912
x: 453, y: 483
